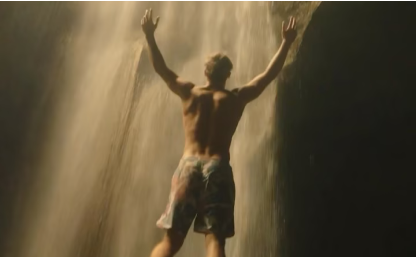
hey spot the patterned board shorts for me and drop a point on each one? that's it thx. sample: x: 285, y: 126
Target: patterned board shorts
x: 203, y: 190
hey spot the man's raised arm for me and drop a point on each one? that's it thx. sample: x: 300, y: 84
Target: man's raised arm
x: 175, y: 84
x: 256, y: 86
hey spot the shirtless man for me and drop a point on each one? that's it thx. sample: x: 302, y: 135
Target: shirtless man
x: 202, y: 185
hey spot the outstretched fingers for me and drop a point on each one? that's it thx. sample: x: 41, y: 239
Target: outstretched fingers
x: 150, y: 14
x: 290, y: 25
x: 285, y: 28
x: 293, y: 23
x: 144, y: 19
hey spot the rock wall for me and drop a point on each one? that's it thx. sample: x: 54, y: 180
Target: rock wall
x: 345, y: 126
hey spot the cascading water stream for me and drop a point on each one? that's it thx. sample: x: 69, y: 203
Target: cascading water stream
x: 117, y: 132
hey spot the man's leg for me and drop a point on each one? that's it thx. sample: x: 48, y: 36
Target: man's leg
x: 215, y: 245
x: 170, y: 244
x: 215, y: 216
x: 180, y: 210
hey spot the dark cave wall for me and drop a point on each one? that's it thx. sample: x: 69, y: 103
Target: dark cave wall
x: 31, y: 35
x: 346, y: 131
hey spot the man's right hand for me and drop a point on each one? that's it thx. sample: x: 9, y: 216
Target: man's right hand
x: 289, y: 33
x: 147, y: 23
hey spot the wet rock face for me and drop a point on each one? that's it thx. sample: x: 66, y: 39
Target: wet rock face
x: 346, y: 123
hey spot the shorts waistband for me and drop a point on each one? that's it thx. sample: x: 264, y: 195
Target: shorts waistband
x: 205, y: 160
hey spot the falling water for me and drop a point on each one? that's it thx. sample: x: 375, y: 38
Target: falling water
x: 116, y: 136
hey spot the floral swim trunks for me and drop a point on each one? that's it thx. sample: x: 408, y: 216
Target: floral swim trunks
x: 203, y: 190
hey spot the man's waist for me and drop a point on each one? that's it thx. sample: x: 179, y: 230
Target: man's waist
x: 206, y: 155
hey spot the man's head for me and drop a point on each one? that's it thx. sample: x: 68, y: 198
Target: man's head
x: 218, y: 68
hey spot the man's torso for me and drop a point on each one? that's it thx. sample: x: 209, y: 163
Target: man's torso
x: 210, y: 118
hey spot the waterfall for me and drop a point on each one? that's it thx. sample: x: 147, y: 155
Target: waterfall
x: 116, y: 135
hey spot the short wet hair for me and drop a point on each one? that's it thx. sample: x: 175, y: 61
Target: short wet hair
x: 218, y: 67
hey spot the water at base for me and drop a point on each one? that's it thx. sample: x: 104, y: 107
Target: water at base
x: 117, y: 133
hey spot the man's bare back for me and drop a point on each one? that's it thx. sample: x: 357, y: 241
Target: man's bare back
x: 202, y: 189
x: 210, y: 118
